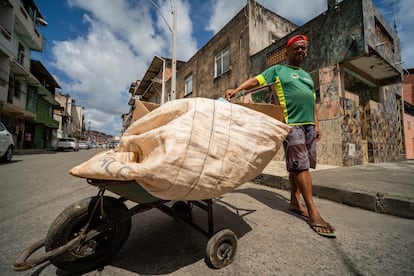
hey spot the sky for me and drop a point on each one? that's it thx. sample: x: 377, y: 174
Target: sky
x: 95, y: 49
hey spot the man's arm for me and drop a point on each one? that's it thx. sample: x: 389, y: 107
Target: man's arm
x: 249, y: 84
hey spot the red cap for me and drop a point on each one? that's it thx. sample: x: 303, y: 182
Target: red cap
x: 296, y: 38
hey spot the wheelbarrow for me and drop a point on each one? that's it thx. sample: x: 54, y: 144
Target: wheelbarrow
x: 89, y: 233
x: 204, y: 146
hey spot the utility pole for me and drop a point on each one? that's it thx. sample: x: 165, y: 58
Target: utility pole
x: 174, y: 54
x: 89, y: 129
x: 174, y: 46
x: 66, y: 117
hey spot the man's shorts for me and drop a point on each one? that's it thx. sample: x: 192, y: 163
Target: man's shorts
x: 300, y: 148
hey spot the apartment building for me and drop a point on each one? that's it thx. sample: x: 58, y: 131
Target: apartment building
x: 70, y: 117
x: 26, y: 94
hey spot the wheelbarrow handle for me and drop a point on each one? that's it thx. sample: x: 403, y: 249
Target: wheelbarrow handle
x: 22, y: 263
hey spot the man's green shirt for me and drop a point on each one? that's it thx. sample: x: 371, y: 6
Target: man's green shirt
x: 295, y: 90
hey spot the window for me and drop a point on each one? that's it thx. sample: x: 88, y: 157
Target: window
x: 17, y: 88
x: 383, y: 35
x: 21, y: 54
x: 222, y: 62
x: 188, y: 89
x: 31, y: 103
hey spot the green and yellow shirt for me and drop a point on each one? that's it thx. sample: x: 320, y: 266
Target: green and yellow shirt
x: 295, y: 90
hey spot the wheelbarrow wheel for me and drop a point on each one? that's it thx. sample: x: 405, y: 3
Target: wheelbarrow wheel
x: 221, y: 249
x: 182, y: 208
x: 96, y: 252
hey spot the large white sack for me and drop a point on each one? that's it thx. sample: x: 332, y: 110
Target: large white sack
x: 191, y: 149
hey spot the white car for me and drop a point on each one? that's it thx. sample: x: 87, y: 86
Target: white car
x: 84, y: 145
x: 6, y: 144
x: 67, y: 143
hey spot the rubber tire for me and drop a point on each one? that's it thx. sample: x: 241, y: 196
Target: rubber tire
x: 8, y: 155
x: 221, y: 249
x: 68, y: 224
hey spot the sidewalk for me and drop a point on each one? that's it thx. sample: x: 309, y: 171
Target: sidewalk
x: 380, y: 187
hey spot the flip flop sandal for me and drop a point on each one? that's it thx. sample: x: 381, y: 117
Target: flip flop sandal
x: 327, y: 226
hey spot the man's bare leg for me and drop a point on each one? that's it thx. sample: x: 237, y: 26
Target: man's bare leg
x: 303, y: 182
x: 295, y: 205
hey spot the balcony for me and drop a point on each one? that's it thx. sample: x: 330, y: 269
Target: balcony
x: 131, y: 100
x: 5, y: 36
x: 23, y: 73
x: 6, y: 25
x: 26, y: 28
x: 4, y: 77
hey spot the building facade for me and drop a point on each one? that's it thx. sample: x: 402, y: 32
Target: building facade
x: 44, y: 129
x: 26, y: 100
x: 355, y: 61
x: 70, y: 117
x: 353, y: 57
x: 224, y: 61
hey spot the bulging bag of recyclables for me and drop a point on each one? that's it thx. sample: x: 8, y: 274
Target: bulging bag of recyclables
x: 190, y: 149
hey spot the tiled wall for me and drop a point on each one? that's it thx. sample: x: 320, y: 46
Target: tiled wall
x: 354, y: 132
x: 385, y: 125
x: 329, y: 114
x: 351, y: 131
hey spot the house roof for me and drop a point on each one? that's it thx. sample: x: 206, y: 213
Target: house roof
x: 153, y: 70
x: 41, y: 73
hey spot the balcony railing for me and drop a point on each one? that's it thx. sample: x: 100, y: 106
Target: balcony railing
x: 5, y: 33
x: 27, y: 29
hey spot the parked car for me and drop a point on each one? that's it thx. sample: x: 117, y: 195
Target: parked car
x: 67, y: 143
x: 113, y: 144
x: 6, y: 144
x: 84, y: 145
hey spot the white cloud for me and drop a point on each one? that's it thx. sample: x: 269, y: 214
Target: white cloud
x: 99, y: 67
x: 223, y: 11
x: 186, y: 44
x: 120, y: 41
x: 401, y: 12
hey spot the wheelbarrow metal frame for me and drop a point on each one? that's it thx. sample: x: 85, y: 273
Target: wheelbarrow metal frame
x: 23, y: 261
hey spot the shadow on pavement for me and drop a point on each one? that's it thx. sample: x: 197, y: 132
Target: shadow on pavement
x: 271, y: 199
x: 168, y: 245
x: 2, y: 163
x: 159, y: 244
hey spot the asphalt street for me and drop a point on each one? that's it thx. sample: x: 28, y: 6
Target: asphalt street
x: 271, y: 240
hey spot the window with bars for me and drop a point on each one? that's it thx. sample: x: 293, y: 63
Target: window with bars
x: 222, y: 62
x: 383, y: 35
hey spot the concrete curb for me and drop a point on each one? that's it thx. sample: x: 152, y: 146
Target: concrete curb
x: 33, y: 151
x: 376, y: 202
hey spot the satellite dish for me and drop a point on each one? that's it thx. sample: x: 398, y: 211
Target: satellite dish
x: 41, y: 21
